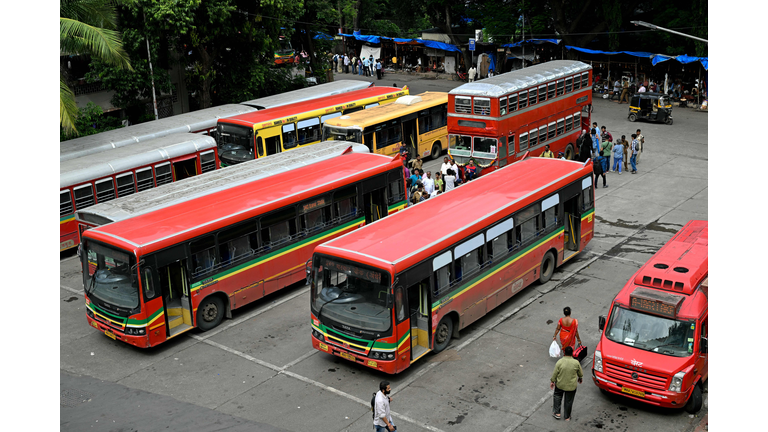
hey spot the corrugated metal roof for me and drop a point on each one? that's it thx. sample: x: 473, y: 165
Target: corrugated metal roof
x: 500, y: 85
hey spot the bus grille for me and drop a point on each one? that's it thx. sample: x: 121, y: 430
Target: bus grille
x: 644, y: 378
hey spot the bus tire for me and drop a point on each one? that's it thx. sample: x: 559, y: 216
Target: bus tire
x: 436, y: 150
x: 547, y: 268
x: 695, y: 401
x: 569, y: 152
x: 210, y: 313
x: 443, y: 334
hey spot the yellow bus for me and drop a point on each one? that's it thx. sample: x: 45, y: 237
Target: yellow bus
x: 418, y: 122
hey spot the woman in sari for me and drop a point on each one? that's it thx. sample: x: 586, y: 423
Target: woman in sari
x: 569, y: 330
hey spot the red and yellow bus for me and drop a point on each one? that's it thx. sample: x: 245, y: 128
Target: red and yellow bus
x: 158, y: 274
x: 263, y: 133
x: 653, y: 345
x: 497, y: 120
x: 101, y: 177
x: 385, y: 295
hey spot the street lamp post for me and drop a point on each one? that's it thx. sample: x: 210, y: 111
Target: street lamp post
x: 655, y: 27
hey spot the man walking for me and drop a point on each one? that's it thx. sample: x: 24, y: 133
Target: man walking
x: 618, y: 156
x: 641, y: 140
x: 597, y: 170
x: 472, y: 73
x: 547, y: 152
x: 625, y: 148
x: 366, y: 71
x: 605, y: 152
x: 595, y: 143
x: 634, y: 149
x: 417, y: 162
x: 346, y: 64
x: 445, y: 166
x: 378, y: 68
x: 565, y: 379
x: 382, y: 419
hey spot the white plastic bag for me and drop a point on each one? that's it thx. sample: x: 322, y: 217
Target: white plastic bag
x: 554, y: 350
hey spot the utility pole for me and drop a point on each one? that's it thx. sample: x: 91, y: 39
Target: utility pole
x: 655, y: 27
x: 151, y: 72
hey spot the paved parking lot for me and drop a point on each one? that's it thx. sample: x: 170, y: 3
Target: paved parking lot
x: 258, y: 369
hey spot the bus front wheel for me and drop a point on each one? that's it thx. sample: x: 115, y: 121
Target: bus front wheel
x: 695, y: 401
x: 547, y: 267
x: 443, y: 334
x: 436, y: 150
x: 210, y: 313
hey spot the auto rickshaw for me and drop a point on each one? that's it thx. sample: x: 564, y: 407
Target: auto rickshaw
x: 656, y: 107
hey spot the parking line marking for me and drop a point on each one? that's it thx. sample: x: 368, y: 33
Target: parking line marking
x: 301, y: 359
x: 72, y: 290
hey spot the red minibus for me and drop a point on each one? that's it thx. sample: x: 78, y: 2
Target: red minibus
x: 653, y: 346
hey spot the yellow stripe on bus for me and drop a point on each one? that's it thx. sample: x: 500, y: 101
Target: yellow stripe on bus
x: 66, y: 220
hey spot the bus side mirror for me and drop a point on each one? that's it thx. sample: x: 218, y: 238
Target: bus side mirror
x: 389, y: 300
x: 601, y: 322
x: 703, y: 345
x: 308, y: 268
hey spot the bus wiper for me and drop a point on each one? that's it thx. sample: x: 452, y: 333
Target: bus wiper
x: 320, y: 311
x: 92, y: 283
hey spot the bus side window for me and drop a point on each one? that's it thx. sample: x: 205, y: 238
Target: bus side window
x: 65, y: 202
x: 503, y: 146
x: 83, y: 196
x: 345, y: 204
x: 105, y: 190
x: 395, y: 191
x: 289, y: 136
x: 425, y: 122
x: 315, y: 220
x: 309, y: 130
x: 439, y: 116
x: 368, y: 140
x: 203, y: 253
x: 278, y: 227
x: 351, y: 110
x: 586, y: 194
x: 238, y: 242
x: 497, y: 243
x: 549, y: 211
x: 503, y: 106
x: 441, y: 266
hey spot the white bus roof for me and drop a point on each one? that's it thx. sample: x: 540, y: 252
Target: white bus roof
x: 301, y: 95
x: 214, y: 181
x: 188, y: 122
x: 532, y: 76
x: 96, y: 166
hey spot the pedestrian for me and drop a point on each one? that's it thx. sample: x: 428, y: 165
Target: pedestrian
x: 417, y: 163
x: 568, y: 328
x: 421, y: 192
x: 597, y: 170
x: 605, y: 152
x: 439, y: 183
x: 470, y: 171
x: 346, y: 64
x: 446, y: 164
x: 547, y: 153
x: 429, y: 183
x: 378, y: 68
x: 382, y: 419
x: 565, y: 379
x: 415, y: 176
x: 634, y: 149
x: 641, y: 140
x: 625, y: 146
x: 585, y: 146
x: 359, y: 67
x: 366, y: 71
x: 624, y: 91
x: 412, y: 201
x: 490, y: 71
x: 353, y: 62
x: 450, y: 179
x: 456, y: 171
x: 642, y: 88
x: 605, y: 135
x: 471, y: 73
x: 618, y: 156
x: 595, y: 142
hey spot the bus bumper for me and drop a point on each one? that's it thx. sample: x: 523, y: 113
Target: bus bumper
x: 631, y: 390
x: 386, y: 366
x: 138, y: 341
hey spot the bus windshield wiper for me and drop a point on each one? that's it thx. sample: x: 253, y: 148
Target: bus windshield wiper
x: 92, y: 282
x: 320, y: 311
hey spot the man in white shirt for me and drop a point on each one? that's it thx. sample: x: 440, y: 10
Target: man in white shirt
x: 456, y: 171
x: 382, y: 419
x: 429, y: 183
x: 446, y: 164
x: 472, y: 72
x: 449, y: 180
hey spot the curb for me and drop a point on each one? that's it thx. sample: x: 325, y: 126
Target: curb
x: 703, y: 424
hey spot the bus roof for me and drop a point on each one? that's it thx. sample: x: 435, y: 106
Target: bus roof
x: 412, y: 234
x: 214, y: 181
x: 681, y: 264
x: 272, y: 114
x: 188, y: 122
x: 300, y: 95
x: 385, y: 112
x: 541, y: 73
x: 97, y: 165
x: 191, y: 218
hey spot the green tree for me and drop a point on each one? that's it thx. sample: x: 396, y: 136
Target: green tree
x: 86, y: 26
x: 91, y: 120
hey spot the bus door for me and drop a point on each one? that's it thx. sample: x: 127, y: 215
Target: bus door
x: 271, y: 139
x: 184, y: 167
x: 174, y: 285
x: 418, y: 309
x: 375, y: 198
x: 572, y: 219
x: 410, y: 134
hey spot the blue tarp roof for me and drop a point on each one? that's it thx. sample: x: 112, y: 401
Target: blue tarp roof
x: 590, y: 51
x: 322, y: 36
x: 428, y: 43
x: 684, y: 59
x: 532, y: 42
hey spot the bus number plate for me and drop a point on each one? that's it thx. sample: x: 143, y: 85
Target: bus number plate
x: 109, y: 334
x: 347, y: 356
x: 637, y: 393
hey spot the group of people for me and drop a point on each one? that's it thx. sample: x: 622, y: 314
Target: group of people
x: 422, y: 186
x: 599, y: 145
x: 361, y: 66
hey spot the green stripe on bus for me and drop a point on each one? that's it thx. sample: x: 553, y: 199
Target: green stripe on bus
x: 260, y: 259
x: 66, y: 218
x: 130, y: 322
x: 377, y: 345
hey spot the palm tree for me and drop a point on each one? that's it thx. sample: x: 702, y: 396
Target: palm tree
x: 87, y: 26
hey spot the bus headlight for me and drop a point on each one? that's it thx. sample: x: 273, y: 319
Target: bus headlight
x: 317, y: 335
x: 598, y: 361
x: 382, y: 355
x: 677, y: 382
x: 135, y: 331
x: 89, y: 312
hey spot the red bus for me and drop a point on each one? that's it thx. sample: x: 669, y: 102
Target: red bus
x: 653, y: 347
x: 497, y: 120
x: 158, y: 274
x: 263, y: 133
x: 385, y: 295
x: 101, y: 177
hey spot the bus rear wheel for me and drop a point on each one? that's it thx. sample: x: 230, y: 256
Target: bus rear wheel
x: 210, y: 313
x: 547, y: 267
x: 569, y: 152
x: 436, y: 150
x: 443, y: 334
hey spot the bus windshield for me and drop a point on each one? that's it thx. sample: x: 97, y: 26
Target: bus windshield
x: 485, y: 148
x: 352, y: 295
x: 234, y: 137
x: 460, y: 148
x: 110, y: 277
x: 342, y: 134
x: 650, y: 332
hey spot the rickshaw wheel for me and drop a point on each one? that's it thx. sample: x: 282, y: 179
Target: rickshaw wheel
x: 669, y: 121
x: 632, y: 117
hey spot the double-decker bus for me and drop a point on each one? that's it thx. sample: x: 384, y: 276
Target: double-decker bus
x: 101, y: 177
x: 417, y: 123
x: 496, y: 121
x: 201, y: 121
x: 274, y: 130
x: 153, y: 276
x: 653, y: 345
x: 385, y: 295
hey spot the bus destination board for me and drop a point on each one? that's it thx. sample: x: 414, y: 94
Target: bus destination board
x: 359, y: 272
x: 655, y: 302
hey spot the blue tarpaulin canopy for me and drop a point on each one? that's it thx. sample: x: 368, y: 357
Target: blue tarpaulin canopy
x: 684, y: 59
x: 590, y: 51
x: 438, y: 45
x: 322, y: 36
x: 427, y: 43
x: 532, y: 42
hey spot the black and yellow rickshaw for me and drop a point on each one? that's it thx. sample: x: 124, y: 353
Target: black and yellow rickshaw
x: 656, y: 107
